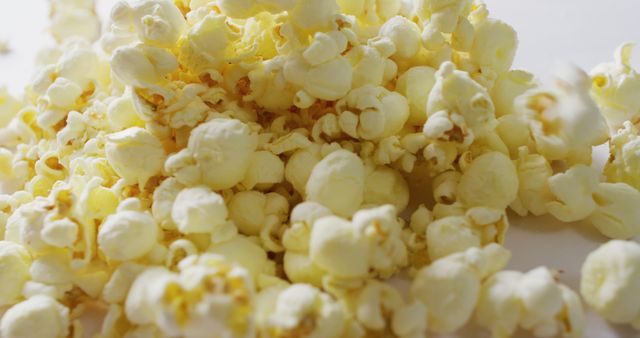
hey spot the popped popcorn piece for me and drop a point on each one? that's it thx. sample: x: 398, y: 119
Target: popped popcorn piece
x: 208, y: 296
x: 51, y: 317
x: 14, y: 271
x: 494, y: 45
x: 609, y: 281
x: 135, y: 154
x: 613, y: 87
x: 129, y: 233
x: 337, y: 182
x: 564, y: 120
x: 624, y: 161
x: 534, y: 301
x: 301, y: 309
x: 578, y: 194
x: 450, y: 286
x: 200, y: 210
x: 218, y: 154
x: 491, y: 180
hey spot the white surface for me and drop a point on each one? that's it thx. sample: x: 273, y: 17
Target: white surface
x: 550, y: 31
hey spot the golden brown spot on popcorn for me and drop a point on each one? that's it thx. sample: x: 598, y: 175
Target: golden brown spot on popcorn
x: 244, y: 86
x: 53, y: 163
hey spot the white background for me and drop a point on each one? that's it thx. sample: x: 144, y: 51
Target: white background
x: 584, y: 32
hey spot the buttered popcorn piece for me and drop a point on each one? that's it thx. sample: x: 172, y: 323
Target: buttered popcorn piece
x: 51, y: 317
x: 610, y: 281
x: 135, y: 154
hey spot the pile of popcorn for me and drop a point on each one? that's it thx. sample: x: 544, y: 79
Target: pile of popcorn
x: 269, y: 168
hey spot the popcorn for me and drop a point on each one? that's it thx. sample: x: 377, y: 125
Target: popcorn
x: 339, y: 171
x: 404, y: 34
x: 238, y: 168
x: 218, y: 154
x: 624, y: 161
x: 609, y: 281
x: 135, y: 154
x: 494, y: 45
x: 129, y: 233
x: 14, y: 271
x: 207, y: 296
x: 303, y: 309
x: 52, y: 319
x: 471, y: 101
x: 563, y: 119
x: 463, y: 272
x: 416, y: 84
x: 534, y: 301
x: 381, y: 113
x: 199, y: 210
x: 491, y: 180
x: 613, y: 87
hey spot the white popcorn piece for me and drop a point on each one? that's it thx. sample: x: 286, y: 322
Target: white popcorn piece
x: 609, y: 281
x: 52, y: 319
x: 129, y: 233
x: 534, y: 193
x: 624, y: 161
x: 470, y: 101
x: 343, y: 172
x: 135, y: 154
x: 208, y: 296
x: 337, y: 248
x: 14, y: 271
x: 564, y: 120
x: 613, y: 87
x: 265, y: 169
x: 449, y: 235
x: 382, y: 113
x: 450, y: 287
x: 533, y: 301
x: 200, y: 210
x: 416, y: 84
x: 494, y: 45
x: 142, y: 65
x: 491, y: 180
x: 301, y: 309
x: 70, y: 21
x: 404, y: 34
x: 218, y: 154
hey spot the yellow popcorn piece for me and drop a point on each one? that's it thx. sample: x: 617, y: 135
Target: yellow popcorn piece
x: 199, y: 210
x: 450, y: 286
x: 129, y: 233
x: 135, y: 154
x: 624, y: 161
x: 340, y: 171
x: 533, y: 301
x: 285, y: 168
x: 609, y: 281
x: 218, y: 154
x: 15, y: 261
x: 613, y: 86
x: 51, y: 316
